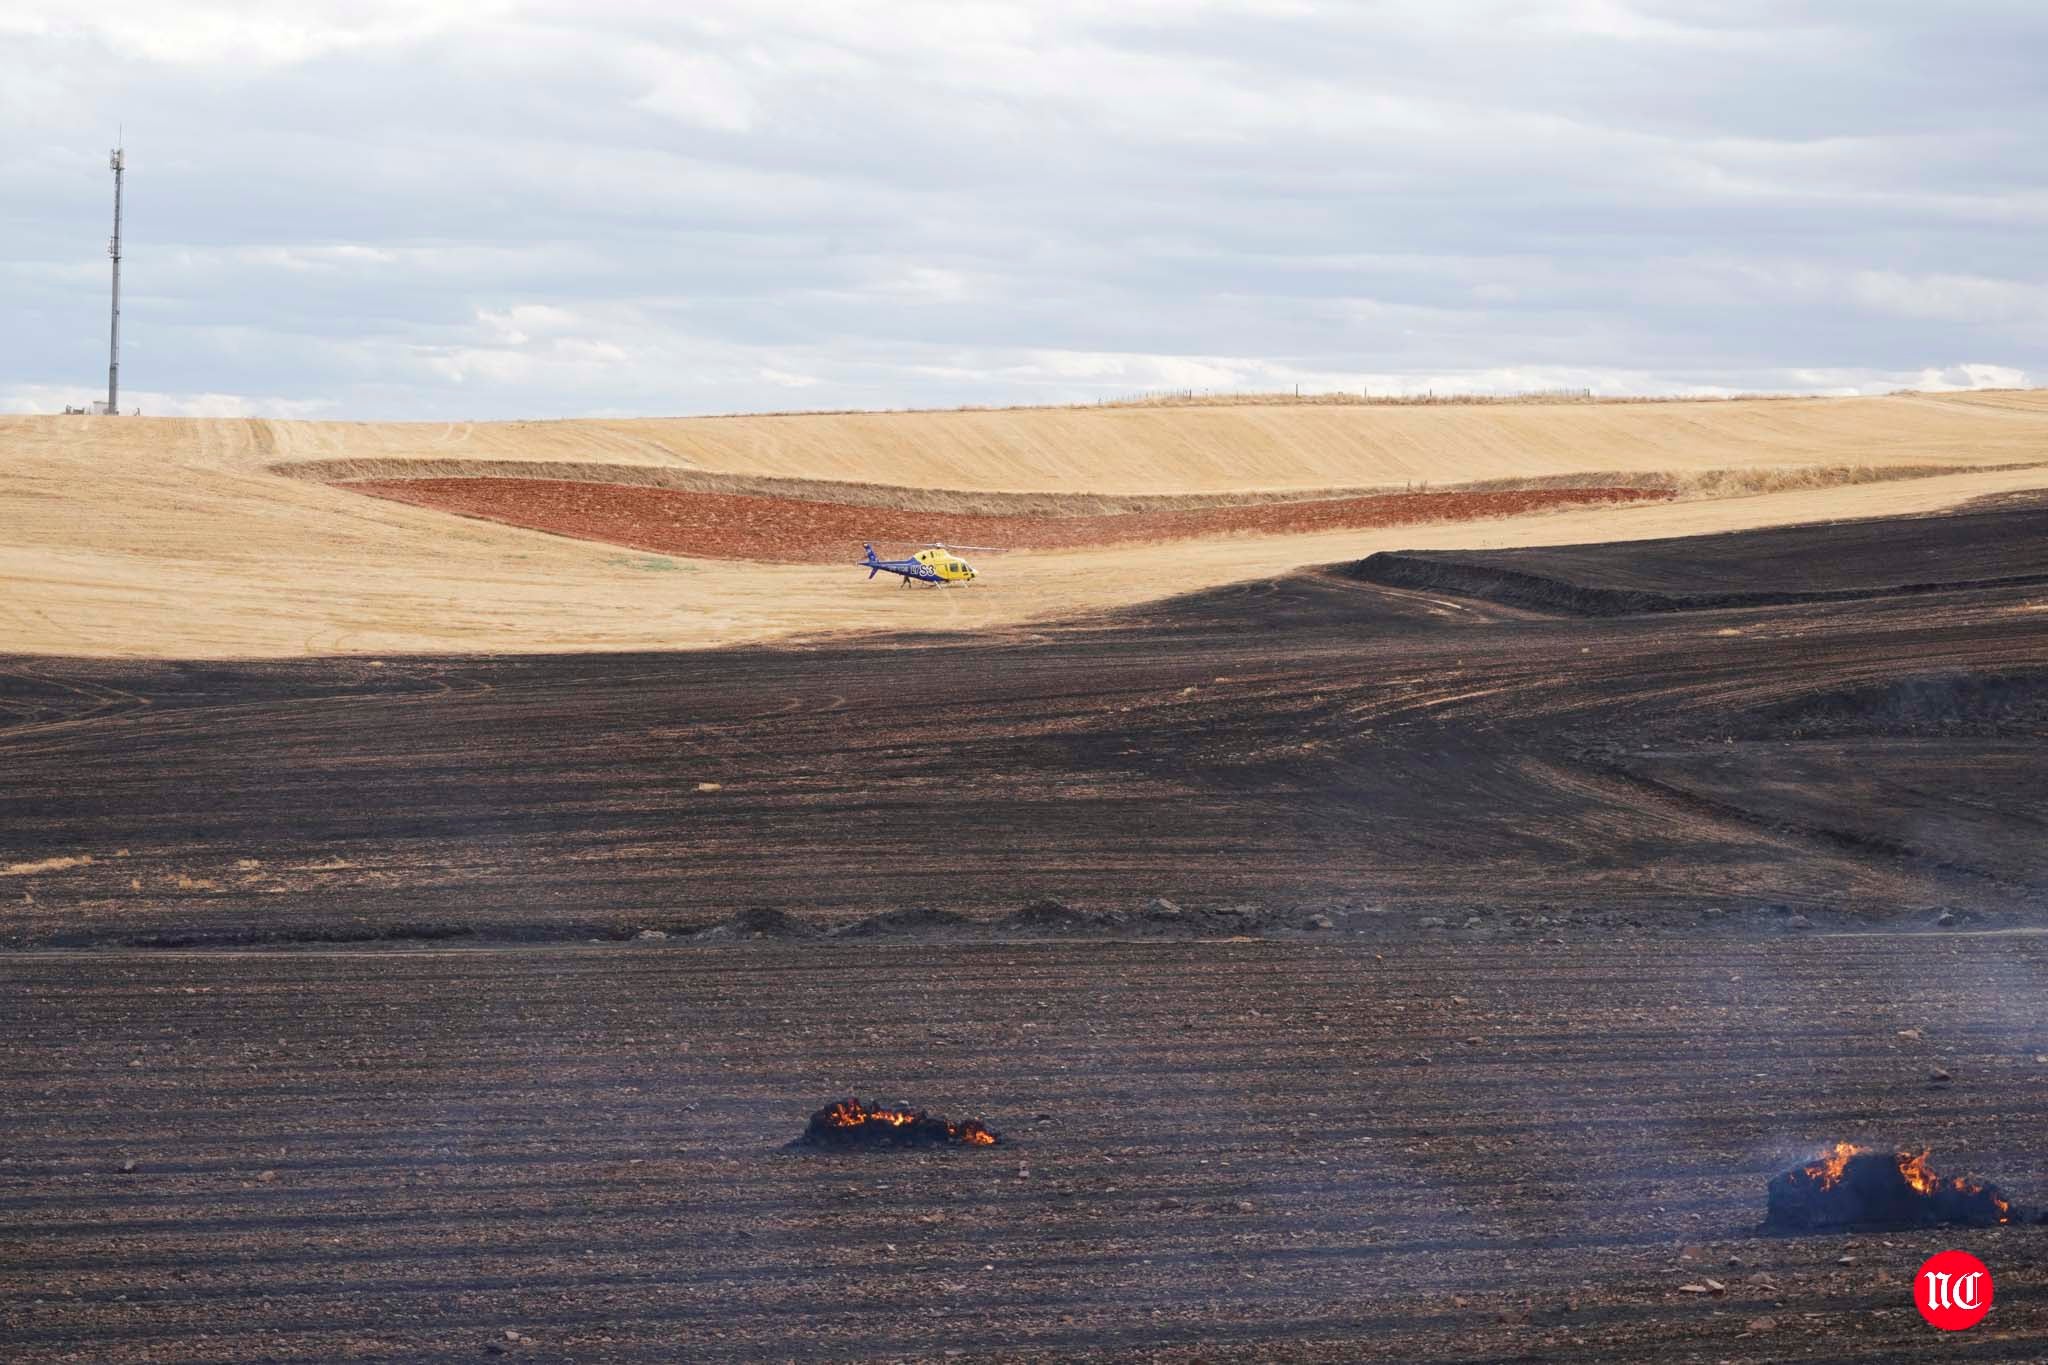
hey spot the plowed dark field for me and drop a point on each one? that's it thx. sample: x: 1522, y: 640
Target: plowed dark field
x: 1517, y: 943
x: 795, y: 530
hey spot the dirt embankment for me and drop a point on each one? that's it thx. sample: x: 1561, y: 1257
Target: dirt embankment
x: 1886, y: 557
x: 791, y: 530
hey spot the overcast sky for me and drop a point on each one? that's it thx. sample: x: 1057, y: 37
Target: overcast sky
x: 477, y: 209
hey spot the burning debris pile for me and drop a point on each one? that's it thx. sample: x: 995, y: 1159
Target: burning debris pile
x: 1852, y: 1186
x: 851, y: 1124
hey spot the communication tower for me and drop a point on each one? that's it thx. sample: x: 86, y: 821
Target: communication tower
x: 117, y: 161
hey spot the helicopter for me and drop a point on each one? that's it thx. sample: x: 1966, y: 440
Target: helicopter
x: 935, y: 564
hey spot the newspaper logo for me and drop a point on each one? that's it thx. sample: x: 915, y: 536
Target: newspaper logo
x: 1953, y: 1290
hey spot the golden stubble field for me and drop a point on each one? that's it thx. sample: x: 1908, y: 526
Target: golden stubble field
x: 192, y: 538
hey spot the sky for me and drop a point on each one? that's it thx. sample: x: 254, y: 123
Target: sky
x: 490, y: 209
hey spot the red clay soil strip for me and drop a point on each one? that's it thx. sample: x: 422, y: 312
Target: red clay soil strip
x: 787, y: 530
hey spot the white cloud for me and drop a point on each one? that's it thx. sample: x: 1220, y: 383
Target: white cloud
x: 315, y: 257
x: 47, y: 398
x: 518, y: 324
x: 929, y: 282
x: 1950, y: 298
x: 263, y: 32
x: 1615, y: 19
x: 435, y: 208
x: 228, y: 405
x: 695, y: 89
x: 1959, y: 377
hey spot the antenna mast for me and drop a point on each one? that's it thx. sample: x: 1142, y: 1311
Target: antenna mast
x: 117, y: 161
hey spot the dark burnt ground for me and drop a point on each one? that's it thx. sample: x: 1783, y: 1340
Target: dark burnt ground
x: 1520, y: 1135
x: 1883, y: 557
x: 1213, y: 1151
x: 1310, y: 745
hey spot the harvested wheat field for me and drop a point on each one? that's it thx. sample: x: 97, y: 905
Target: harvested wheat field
x: 190, y: 538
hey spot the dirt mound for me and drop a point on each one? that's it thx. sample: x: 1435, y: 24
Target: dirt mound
x: 1163, y: 918
x: 1892, y: 557
x: 1051, y: 917
x: 917, y: 921
x: 760, y: 922
x: 1950, y: 702
x: 1515, y: 588
x: 1235, y: 919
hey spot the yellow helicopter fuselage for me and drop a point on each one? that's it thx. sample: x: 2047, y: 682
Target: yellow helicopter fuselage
x: 945, y: 564
x: 934, y: 566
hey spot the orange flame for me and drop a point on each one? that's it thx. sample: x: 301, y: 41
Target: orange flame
x: 1912, y: 1166
x: 852, y: 1114
x: 1829, y: 1168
